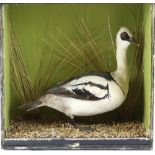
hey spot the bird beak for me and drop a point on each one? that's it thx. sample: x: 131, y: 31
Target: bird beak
x: 132, y: 40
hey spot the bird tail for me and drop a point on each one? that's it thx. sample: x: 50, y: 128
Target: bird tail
x: 31, y: 105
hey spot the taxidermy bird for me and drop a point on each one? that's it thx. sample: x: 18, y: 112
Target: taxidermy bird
x: 92, y: 93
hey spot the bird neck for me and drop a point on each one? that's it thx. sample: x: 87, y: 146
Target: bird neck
x: 121, y: 73
x: 121, y: 57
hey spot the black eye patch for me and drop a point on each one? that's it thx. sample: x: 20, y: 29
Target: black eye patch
x: 125, y: 36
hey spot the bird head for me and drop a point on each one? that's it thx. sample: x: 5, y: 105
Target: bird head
x: 124, y: 37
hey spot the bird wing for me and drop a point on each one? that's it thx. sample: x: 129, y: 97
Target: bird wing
x: 87, y: 87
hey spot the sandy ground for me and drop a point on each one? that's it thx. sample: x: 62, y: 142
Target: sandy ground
x: 61, y: 129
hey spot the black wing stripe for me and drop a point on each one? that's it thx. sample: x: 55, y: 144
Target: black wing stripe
x: 86, y: 95
x: 82, y: 94
x: 92, y: 84
x: 105, y: 75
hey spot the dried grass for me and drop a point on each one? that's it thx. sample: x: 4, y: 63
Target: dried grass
x: 49, y: 65
x: 20, y: 77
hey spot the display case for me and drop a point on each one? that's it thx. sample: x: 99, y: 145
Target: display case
x: 45, y: 44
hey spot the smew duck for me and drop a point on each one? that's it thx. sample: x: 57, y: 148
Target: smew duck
x: 92, y: 93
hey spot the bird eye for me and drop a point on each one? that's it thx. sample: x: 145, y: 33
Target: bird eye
x: 124, y: 36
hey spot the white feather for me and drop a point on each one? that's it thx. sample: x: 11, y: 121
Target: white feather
x: 90, y: 78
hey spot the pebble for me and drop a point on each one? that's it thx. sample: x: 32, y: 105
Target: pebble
x: 42, y: 129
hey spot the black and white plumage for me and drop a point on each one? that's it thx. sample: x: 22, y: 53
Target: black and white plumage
x: 84, y: 87
x: 92, y: 93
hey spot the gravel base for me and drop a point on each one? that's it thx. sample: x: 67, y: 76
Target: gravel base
x: 57, y: 129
